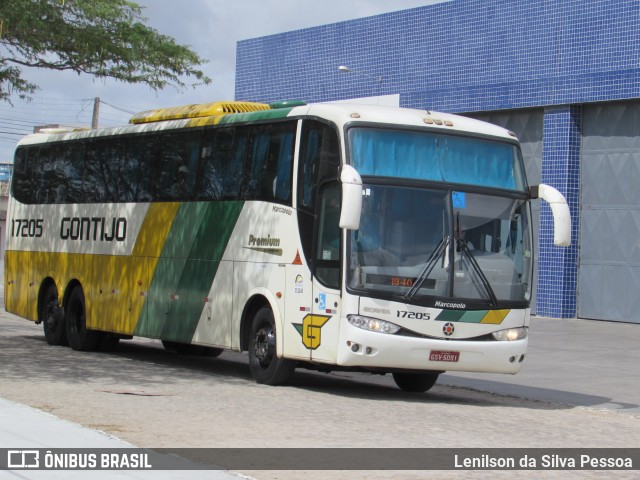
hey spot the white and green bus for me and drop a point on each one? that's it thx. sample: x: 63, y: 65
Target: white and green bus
x: 326, y: 236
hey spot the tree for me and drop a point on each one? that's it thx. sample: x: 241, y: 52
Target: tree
x: 104, y: 38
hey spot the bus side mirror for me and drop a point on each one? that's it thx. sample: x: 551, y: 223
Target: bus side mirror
x: 351, y: 198
x: 560, y: 211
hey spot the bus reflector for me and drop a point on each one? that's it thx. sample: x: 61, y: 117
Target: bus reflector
x: 215, y: 109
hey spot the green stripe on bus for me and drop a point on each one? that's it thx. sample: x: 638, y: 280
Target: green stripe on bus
x: 207, y: 250
x: 473, y: 316
x: 255, y: 116
x: 186, y: 269
x: 450, y: 315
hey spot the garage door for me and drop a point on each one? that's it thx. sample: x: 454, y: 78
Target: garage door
x: 609, y: 268
x: 528, y: 126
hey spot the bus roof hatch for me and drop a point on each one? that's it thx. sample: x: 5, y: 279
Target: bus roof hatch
x: 215, y: 109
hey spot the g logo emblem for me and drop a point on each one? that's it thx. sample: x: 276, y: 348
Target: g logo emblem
x: 310, y: 330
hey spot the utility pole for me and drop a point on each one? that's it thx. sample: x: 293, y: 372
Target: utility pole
x: 96, y: 112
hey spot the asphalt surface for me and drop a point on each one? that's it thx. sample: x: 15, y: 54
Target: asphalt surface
x: 585, y: 363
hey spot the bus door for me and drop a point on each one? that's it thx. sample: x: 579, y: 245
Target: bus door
x: 325, y: 328
x: 299, y: 315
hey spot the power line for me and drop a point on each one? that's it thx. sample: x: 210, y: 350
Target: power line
x: 117, y: 108
x: 19, y: 128
x: 14, y: 121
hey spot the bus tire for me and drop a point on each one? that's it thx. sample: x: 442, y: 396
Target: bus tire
x: 78, y: 335
x: 415, y: 382
x: 265, y: 366
x: 52, y: 317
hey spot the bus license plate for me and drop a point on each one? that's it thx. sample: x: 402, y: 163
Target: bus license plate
x: 440, y: 356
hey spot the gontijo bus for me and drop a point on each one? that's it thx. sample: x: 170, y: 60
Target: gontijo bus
x: 330, y: 236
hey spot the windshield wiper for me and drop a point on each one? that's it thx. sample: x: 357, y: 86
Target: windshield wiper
x: 428, y: 268
x: 463, y: 248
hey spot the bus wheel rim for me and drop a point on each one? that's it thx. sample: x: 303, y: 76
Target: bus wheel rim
x: 265, y: 346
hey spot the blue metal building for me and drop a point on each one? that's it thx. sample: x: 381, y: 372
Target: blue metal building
x: 563, y: 74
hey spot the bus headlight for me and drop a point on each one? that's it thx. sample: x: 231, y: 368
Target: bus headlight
x: 372, y: 324
x: 511, y: 334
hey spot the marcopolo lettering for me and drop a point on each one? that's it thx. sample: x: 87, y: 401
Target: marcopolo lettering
x: 97, y: 229
x: 440, y: 304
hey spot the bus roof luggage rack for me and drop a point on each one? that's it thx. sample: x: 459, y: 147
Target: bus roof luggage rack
x: 215, y: 109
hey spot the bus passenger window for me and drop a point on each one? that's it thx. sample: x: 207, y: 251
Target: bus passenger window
x: 319, y: 160
x: 328, y: 250
x: 270, y: 162
x: 222, y: 157
x: 21, y: 181
x: 136, y: 169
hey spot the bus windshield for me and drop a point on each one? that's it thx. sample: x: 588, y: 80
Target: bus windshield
x: 437, y: 157
x: 422, y: 245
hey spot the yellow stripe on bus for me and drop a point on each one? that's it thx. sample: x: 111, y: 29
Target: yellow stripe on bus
x: 155, y: 229
x: 121, y: 295
x: 495, y: 317
x: 115, y: 287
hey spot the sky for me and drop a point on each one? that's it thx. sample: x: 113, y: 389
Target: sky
x: 211, y: 28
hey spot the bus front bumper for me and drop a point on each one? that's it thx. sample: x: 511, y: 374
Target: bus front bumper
x: 379, y: 351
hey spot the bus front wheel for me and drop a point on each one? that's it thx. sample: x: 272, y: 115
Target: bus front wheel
x: 264, y: 363
x: 415, y: 382
x: 78, y: 335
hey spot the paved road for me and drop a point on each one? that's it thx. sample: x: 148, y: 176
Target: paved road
x: 575, y: 362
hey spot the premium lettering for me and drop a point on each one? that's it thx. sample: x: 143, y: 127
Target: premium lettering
x: 267, y: 241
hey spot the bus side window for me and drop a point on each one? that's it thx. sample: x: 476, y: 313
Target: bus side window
x: 72, y: 172
x: 21, y: 177
x: 270, y: 162
x: 319, y: 162
x: 222, y: 153
x: 136, y: 168
x: 255, y: 175
x: 232, y: 177
x: 168, y: 161
x: 182, y: 162
x: 55, y: 184
x: 108, y: 170
x: 44, y: 176
x: 283, y: 168
x: 327, y: 259
x: 93, y: 177
x: 99, y: 175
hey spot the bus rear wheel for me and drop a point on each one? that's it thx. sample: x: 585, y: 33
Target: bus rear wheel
x: 78, y: 335
x: 52, y: 317
x: 416, y: 382
x: 265, y: 366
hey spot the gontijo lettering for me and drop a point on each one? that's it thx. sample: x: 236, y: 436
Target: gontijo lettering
x: 97, y: 229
